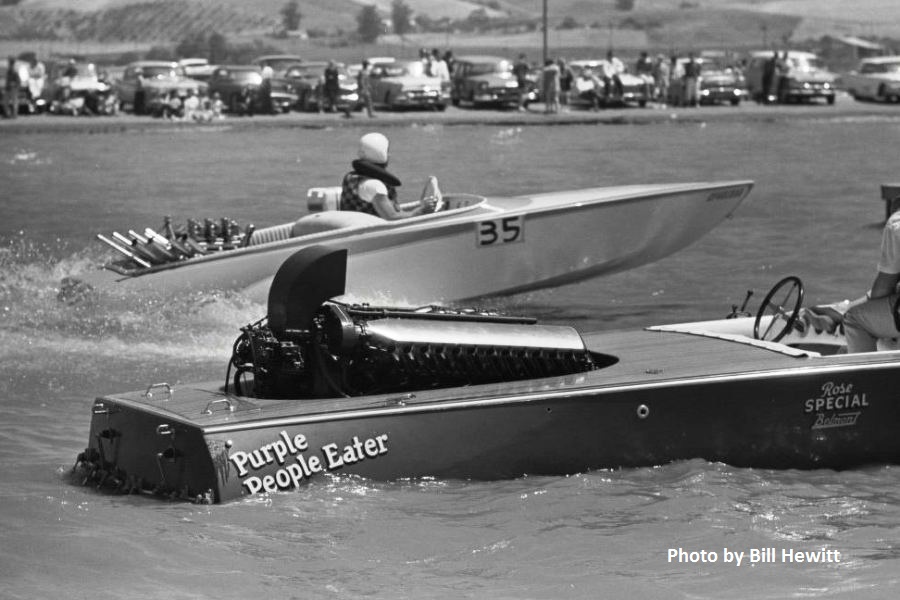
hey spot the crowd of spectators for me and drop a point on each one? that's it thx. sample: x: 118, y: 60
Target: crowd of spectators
x: 667, y: 80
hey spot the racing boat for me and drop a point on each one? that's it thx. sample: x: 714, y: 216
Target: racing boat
x: 473, y: 247
x: 323, y: 387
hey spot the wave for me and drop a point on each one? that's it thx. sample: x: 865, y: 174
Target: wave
x: 33, y: 320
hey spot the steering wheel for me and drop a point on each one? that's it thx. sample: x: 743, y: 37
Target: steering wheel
x: 783, y: 303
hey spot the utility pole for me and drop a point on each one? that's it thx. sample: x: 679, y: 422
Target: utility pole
x: 545, y: 33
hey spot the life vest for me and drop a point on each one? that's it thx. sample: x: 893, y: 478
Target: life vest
x: 362, y: 170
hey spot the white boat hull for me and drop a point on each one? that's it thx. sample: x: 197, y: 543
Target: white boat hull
x: 503, y: 246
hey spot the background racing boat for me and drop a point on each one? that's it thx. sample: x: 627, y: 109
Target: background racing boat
x: 474, y: 247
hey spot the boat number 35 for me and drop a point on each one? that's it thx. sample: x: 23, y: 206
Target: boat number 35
x: 505, y: 230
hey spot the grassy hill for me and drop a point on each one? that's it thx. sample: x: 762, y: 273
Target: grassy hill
x: 592, y: 25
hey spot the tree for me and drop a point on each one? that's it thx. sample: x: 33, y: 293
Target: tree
x: 368, y: 24
x: 401, y: 15
x: 290, y: 16
x: 218, y: 48
x: 625, y: 4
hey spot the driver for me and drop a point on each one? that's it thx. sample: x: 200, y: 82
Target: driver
x: 871, y: 317
x: 371, y: 189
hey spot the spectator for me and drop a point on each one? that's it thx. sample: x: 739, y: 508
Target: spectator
x: 13, y: 84
x: 566, y: 79
x: 612, y: 69
x: 661, y: 74
x: 550, y: 86
x: 448, y: 58
x: 768, y: 76
x: 439, y: 67
x: 192, y: 107
x: 364, y: 88
x: 594, y: 88
x: 520, y: 71
x: 265, y: 89
x: 691, y: 81
x: 332, y: 87
x: 643, y: 68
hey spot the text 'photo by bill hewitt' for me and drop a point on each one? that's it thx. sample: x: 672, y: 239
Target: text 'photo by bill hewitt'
x: 449, y: 299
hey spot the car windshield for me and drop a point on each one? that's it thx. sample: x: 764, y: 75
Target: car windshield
x: 414, y: 69
x: 305, y: 71
x: 279, y: 64
x: 158, y: 72
x: 86, y: 70
x: 485, y: 68
x: 804, y: 63
x: 889, y: 67
x: 241, y: 75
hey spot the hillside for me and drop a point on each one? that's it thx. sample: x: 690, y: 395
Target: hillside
x: 658, y: 24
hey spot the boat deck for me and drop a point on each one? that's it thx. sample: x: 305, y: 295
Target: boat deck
x: 645, y: 358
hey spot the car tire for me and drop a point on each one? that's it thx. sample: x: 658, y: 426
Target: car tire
x: 830, y: 99
x: 441, y: 107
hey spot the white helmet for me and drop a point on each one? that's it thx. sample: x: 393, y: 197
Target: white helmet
x: 374, y: 147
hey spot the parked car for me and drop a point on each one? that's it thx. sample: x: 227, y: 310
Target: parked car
x: 279, y: 63
x: 146, y: 82
x: 479, y: 81
x: 719, y: 82
x: 634, y: 89
x: 877, y: 78
x: 804, y: 78
x: 240, y: 88
x: 308, y: 79
x: 405, y: 84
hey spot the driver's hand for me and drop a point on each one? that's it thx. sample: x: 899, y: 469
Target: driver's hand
x: 429, y: 205
x: 820, y: 319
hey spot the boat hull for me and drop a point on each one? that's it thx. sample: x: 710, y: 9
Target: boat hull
x: 776, y: 411
x: 504, y: 246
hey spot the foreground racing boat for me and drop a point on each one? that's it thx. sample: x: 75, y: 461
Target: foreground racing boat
x: 321, y: 387
x: 518, y: 244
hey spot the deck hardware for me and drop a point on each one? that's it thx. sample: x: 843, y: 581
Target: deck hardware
x: 165, y: 429
x: 101, y: 408
x: 643, y: 411
x: 208, y: 410
x: 653, y: 371
x: 169, y: 390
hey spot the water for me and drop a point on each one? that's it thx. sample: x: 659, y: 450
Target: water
x: 815, y: 212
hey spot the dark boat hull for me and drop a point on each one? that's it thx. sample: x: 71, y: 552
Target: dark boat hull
x: 777, y: 412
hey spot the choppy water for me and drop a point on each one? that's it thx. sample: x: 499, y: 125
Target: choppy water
x: 815, y: 212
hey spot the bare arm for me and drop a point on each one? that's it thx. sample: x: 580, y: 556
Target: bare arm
x: 385, y: 208
x: 885, y: 284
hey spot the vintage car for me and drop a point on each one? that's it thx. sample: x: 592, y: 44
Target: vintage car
x: 308, y: 79
x: 480, y: 81
x: 719, y: 83
x: 279, y: 63
x: 146, y: 82
x: 241, y: 89
x: 877, y: 78
x: 635, y: 90
x: 804, y: 77
x: 405, y: 84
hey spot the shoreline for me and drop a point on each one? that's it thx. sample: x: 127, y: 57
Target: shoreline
x: 844, y: 107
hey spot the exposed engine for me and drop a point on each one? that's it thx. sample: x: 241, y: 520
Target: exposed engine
x: 310, y: 346
x: 360, y: 350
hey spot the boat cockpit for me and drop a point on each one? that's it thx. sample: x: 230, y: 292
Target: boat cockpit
x: 778, y: 326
